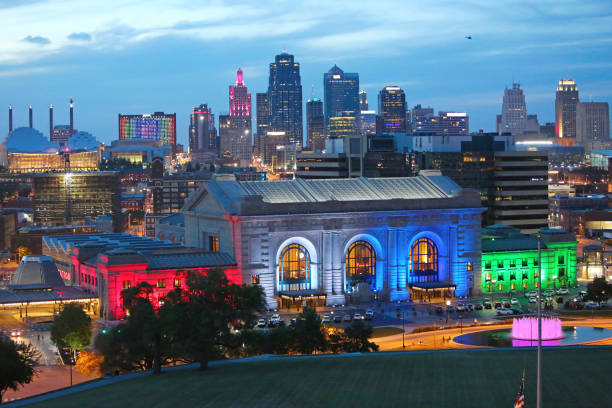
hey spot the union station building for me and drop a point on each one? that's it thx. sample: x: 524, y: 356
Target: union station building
x: 324, y: 242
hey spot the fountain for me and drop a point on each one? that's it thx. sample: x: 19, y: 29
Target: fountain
x: 526, y: 328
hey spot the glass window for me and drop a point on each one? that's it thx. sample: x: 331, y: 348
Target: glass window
x: 294, y: 268
x: 127, y: 284
x: 360, y: 263
x: 470, y: 266
x: 561, y: 260
x: 213, y: 243
x: 488, y: 265
x: 512, y: 263
x: 255, y: 279
x: 500, y: 277
x: 424, y: 261
x: 177, y: 282
x: 561, y: 272
x: 523, y: 262
x: 500, y: 264
x: 488, y: 277
x: 161, y: 283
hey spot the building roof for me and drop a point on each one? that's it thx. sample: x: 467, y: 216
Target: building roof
x: 500, y: 237
x: 59, y: 294
x: 190, y: 260
x: 177, y: 219
x: 36, y: 271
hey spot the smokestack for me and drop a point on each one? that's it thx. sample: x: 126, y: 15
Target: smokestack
x: 71, y: 116
x: 51, y: 122
x: 31, y: 117
x: 10, y: 118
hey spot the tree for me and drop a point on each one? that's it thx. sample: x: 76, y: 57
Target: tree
x: 139, y: 343
x: 357, y: 338
x: 71, y: 329
x: 599, y: 290
x: 309, y: 334
x: 18, y: 364
x: 200, y: 317
x: 90, y: 363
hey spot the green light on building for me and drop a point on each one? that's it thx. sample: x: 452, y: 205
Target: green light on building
x: 510, y: 259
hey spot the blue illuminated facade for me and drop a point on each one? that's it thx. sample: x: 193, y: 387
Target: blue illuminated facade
x: 336, y: 241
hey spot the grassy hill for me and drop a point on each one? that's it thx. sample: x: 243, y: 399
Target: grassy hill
x: 572, y: 377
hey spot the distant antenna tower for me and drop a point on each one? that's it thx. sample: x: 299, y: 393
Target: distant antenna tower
x: 312, y: 92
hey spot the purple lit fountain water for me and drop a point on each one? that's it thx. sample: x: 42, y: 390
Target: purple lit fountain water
x: 525, y: 330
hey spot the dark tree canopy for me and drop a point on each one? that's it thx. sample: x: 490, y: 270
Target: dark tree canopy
x: 309, y: 335
x: 71, y: 328
x: 18, y: 364
x: 599, y: 290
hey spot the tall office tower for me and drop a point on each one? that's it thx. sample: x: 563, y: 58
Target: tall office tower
x: 315, y: 124
x: 392, y: 109
x: 592, y: 122
x: 422, y: 120
x: 285, y: 98
x: 363, y: 100
x: 263, y: 123
x: 341, y: 93
x: 202, y: 131
x: 367, y: 122
x: 235, y: 128
x: 453, y: 124
x: 565, y: 110
x: 158, y: 127
x: 514, y: 111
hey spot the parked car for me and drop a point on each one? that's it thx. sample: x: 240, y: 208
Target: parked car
x: 348, y: 317
x: 514, y: 301
x: 369, y: 314
x: 498, y: 305
x: 502, y: 311
x: 326, y: 318
x: 479, y: 306
x: 469, y: 306
x: 439, y: 310
x: 293, y: 321
x: 275, y: 318
x: 604, y: 305
x: 460, y: 307
x: 549, y: 292
x: 506, y: 303
x: 591, y: 305
x: 516, y: 311
x: 338, y: 318
x: 15, y: 333
x: 533, y: 299
x: 562, y: 291
x: 531, y: 293
x: 357, y: 316
x: 261, y: 323
x: 487, y: 305
x: 281, y: 323
x: 560, y: 300
x: 450, y: 308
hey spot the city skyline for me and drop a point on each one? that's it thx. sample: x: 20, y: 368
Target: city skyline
x: 48, y: 63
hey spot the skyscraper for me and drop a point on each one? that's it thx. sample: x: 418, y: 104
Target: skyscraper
x: 159, y: 126
x: 263, y: 123
x: 315, y: 124
x: 514, y: 111
x: 422, y: 120
x: 202, y: 131
x: 235, y: 128
x: 285, y: 97
x: 453, y: 124
x: 565, y: 110
x: 392, y: 109
x: 592, y: 123
x: 363, y: 100
x: 341, y: 93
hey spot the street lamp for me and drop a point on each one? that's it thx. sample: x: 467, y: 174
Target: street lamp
x: 447, y: 311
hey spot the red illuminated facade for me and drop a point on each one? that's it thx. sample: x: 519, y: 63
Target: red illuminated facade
x: 111, y: 271
x: 239, y: 97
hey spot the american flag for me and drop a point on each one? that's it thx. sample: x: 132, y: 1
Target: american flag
x: 520, y: 398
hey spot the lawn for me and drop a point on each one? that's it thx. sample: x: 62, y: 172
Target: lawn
x: 572, y: 378
x: 385, y: 331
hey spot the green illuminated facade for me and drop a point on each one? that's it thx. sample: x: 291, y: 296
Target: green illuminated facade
x: 510, y: 259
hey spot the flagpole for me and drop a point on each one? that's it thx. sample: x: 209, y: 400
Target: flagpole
x: 539, y: 374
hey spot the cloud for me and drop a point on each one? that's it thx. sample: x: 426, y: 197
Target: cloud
x: 26, y: 71
x: 79, y: 37
x: 37, y: 40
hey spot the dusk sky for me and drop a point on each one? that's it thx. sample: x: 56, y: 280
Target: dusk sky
x: 145, y: 56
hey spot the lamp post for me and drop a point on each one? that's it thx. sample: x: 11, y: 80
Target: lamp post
x: 403, y: 330
x: 539, y: 376
x: 448, y: 302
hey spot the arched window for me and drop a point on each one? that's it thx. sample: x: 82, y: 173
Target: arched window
x: 424, y: 261
x: 294, y: 268
x: 360, y: 264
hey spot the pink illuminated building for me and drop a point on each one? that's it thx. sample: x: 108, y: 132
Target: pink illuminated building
x: 239, y: 97
x: 235, y: 136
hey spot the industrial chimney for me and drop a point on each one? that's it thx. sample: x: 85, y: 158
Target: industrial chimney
x: 31, y: 117
x: 51, y: 122
x: 10, y: 118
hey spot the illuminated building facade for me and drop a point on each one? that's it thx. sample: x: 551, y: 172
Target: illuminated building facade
x: 169, y: 192
x: 565, y: 111
x: 341, y: 93
x: 514, y: 111
x: 367, y: 122
x: 327, y: 241
x: 452, y: 124
x: 235, y: 128
x: 392, y: 109
x: 76, y: 197
x: 202, y: 131
x: 105, y: 264
x: 61, y: 133
x: 158, y: 126
x: 239, y: 97
x: 363, y: 100
x: 315, y: 125
x: 49, y: 162
x: 423, y: 120
x: 285, y: 97
x: 510, y: 259
x: 592, y: 123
